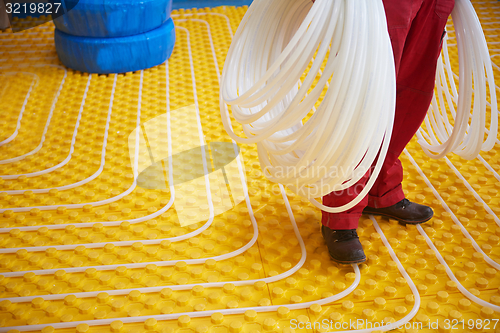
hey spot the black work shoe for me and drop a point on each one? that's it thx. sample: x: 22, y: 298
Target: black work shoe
x: 343, y: 245
x: 405, y: 211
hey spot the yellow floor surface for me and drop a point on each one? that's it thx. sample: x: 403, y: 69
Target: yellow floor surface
x: 112, y: 219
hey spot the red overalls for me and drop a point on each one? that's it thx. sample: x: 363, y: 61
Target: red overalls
x: 416, y: 29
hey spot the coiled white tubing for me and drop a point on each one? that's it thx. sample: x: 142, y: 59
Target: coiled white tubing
x: 475, y: 69
x: 271, y: 50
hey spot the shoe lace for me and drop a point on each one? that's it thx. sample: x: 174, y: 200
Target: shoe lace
x: 405, y: 203
x: 342, y: 235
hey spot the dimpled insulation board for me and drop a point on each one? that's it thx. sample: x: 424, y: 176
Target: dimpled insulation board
x: 113, y: 219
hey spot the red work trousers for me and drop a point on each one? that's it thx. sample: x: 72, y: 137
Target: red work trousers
x: 416, y: 28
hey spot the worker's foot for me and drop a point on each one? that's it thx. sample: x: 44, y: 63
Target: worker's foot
x: 405, y: 211
x: 343, y: 245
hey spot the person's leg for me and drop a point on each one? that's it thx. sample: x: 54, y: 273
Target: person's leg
x: 415, y: 87
x: 416, y: 29
x: 339, y: 230
x: 348, y: 219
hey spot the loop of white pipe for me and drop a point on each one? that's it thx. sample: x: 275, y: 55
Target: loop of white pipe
x: 79, y: 183
x: 66, y: 160
x: 465, y: 137
x: 452, y: 276
x: 339, y: 143
x: 151, y: 216
x: 49, y: 118
x: 259, y: 309
x: 34, y: 83
x: 474, y: 244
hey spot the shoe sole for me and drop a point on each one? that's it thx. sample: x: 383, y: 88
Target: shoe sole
x: 341, y: 261
x: 347, y: 262
x: 398, y: 219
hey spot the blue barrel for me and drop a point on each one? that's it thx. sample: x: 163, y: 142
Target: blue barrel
x: 112, y: 18
x: 116, y: 55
